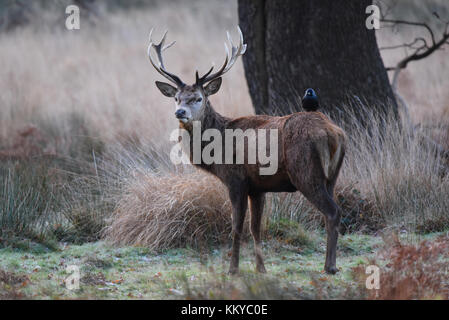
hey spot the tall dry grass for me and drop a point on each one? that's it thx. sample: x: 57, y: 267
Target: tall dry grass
x: 400, y: 173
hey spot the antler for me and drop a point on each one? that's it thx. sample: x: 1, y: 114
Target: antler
x: 229, y: 61
x: 159, y: 48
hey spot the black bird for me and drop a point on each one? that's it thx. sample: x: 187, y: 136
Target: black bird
x: 310, y: 100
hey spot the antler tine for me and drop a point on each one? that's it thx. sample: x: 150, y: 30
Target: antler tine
x: 207, y: 78
x: 198, y: 79
x: 236, y: 51
x: 229, y: 61
x: 159, y: 48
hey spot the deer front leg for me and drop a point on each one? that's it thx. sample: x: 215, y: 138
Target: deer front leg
x: 257, y: 203
x: 239, y: 200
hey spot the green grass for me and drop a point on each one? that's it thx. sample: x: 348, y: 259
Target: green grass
x: 137, y: 273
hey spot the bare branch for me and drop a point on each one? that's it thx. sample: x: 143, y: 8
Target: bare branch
x: 422, y: 51
x: 411, y: 23
x: 408, y: 45
x: 418, y: 56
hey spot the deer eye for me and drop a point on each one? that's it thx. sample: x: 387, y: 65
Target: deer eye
x: 199, y: 99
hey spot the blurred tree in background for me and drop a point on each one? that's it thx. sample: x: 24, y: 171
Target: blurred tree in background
x: 297, y: 44
x: 14, y: 13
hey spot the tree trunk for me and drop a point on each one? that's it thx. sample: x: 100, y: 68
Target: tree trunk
x: 324, y: 44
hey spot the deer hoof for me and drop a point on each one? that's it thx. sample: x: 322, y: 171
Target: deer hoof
x: 261, y: 269
x: 331, y: 270
x: 233, y: 271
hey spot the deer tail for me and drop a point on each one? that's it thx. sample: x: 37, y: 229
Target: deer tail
x: 330, y: 151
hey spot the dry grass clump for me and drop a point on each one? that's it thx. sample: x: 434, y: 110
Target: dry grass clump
x: 359, y: 211
x: 414, y: 271
x: 172, y: 210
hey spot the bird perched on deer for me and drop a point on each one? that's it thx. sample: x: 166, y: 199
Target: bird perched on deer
x: 309, y: 151
x: 310, y: 100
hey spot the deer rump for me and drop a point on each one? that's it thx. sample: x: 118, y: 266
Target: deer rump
x: 312, y: 145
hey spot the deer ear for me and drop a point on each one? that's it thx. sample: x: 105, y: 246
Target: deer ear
x: 213, y: 87
x: 166, y: 89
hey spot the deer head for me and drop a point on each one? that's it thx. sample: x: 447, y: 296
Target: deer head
x: 191, y: 100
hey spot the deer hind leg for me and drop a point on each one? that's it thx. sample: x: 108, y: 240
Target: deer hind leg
x: 239, y: 200
x: 313, y: 184
x: 257, y: 204
x: 308, y: 176
x: 326, y: 204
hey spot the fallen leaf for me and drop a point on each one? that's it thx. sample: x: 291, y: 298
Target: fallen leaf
x: 323, y: 279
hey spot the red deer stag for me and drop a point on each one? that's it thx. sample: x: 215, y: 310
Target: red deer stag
x: 310, y: 153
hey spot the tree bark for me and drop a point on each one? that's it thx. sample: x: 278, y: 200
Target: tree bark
x: 321, y: 44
